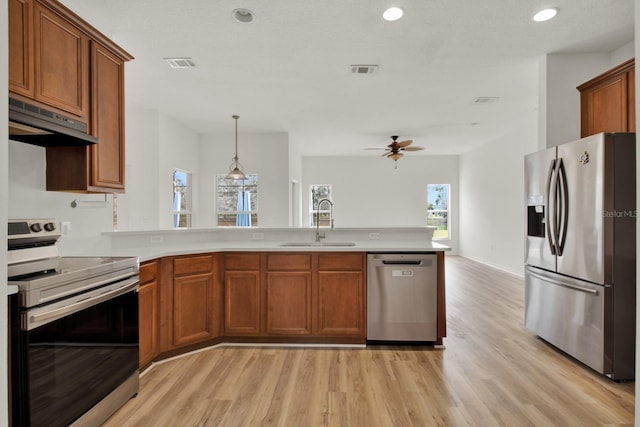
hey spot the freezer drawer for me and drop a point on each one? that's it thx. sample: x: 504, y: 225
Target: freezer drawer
x: 401, y: 297
x: 567, y: 313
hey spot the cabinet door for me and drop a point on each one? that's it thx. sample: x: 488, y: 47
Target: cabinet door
x: 61, y: 63
x: 288, y: 303
x: 192, y: 309
x: 242, y: 303
x: 149, y: 311
x: 607, y: 102
x: 21, y: 47
x: 341, y: 304
x: 107, y: 118
x: 148, y: 322
x: 631, y: 100
x: 607, y: 107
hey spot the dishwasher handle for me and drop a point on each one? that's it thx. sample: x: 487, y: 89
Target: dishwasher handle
x: 402, y: 262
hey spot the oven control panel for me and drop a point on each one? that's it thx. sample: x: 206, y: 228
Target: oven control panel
x: 21, y: 228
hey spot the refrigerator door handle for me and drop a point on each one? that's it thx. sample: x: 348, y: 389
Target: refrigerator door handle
x: 563, y: 284
x: 563, y: 204
x: 551, y: 208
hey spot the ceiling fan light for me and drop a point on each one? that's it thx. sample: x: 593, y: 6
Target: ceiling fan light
x: 395, y: 156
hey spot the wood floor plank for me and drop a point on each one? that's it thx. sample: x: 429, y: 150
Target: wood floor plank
x: 491, y: 372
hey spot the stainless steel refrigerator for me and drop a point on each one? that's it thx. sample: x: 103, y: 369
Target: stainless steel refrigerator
x: 580, y: 250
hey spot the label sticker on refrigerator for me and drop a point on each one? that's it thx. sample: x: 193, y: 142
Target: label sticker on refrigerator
x: 401, y: 273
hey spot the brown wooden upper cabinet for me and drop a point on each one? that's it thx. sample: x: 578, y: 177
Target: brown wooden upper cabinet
x: 61, y: 63
x: 607, y: 102
x: 21, y: 55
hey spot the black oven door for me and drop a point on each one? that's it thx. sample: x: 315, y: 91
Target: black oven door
x: 73, y: 356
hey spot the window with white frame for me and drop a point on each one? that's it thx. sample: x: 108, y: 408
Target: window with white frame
x: 438, y: 209
x: 317, y: 192
x: 237, y: 201
x: 181, y: 199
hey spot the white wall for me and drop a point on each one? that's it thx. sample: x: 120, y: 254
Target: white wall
x: 560, y: 74
x: 266, y: 155
x: 4, y: 178
x: 295, y: 183
x: 28, y: 197
x: 138, y: 208
x: 492, y: 199
x: 178, y: 148
x: 371, y: 192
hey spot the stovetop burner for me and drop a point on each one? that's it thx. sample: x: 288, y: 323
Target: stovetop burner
x: 42, y: 276
x: 43, y: 281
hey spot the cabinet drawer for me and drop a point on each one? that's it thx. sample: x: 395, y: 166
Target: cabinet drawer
x: 242, y: 262
x: 342, y: 261
x: 193, y: 265
x: 149, y: 271
x: 289, y: 262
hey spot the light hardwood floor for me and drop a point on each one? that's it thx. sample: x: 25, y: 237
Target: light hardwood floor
x: 492, y: 372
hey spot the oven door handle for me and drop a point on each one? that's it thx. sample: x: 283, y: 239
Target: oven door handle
x: 34, y: 320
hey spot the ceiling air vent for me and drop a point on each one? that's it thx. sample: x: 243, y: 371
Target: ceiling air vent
x: 485, y: 99
x: 363, y: 69
x: 180, y: 62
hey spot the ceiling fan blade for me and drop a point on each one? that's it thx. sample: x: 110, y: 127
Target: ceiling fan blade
x: 404, y: 143
x: 415, y: 148
x: 387, y: 153
x: 374, y: 148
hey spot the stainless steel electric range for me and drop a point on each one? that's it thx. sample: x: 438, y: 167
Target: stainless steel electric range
x: 76, y: 359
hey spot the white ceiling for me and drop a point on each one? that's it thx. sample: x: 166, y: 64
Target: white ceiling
x: 289, y: 70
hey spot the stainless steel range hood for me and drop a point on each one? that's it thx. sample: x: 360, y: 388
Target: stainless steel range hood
x: 38, y: 126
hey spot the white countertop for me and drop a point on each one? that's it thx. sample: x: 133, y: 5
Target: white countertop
x: 151, y: 244
x: 158, y: 251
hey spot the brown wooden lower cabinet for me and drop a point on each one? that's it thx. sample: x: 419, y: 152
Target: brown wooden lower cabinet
x: 192, y: 309
x: 295, y: 295
x: 341, y: 304
x: 288, y: 301
x: 149, y: 311
x: 191, y: 301
x: 189, y: 313
x: 242, y: 303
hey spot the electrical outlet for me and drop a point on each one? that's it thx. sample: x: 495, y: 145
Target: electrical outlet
x: 65, y: 227
x: 257, y: 236
x: 374, y: 236
x: 156, y: 239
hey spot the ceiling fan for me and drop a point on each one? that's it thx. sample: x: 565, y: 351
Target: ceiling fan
x: 395, y: 149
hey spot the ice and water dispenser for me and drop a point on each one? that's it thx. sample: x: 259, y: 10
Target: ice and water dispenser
x: 535, y: 216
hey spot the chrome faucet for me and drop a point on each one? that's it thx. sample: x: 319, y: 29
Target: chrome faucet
x: 320, y: 235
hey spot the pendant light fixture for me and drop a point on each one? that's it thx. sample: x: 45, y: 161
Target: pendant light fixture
x: 235, y: 172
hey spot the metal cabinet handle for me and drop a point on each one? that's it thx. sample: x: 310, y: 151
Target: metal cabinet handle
x: 402, y: 262
x: 39, y: 319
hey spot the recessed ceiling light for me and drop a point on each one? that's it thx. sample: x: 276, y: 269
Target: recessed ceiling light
x: 244, y: 16
x: 545, y: 14
x: 392, y: 14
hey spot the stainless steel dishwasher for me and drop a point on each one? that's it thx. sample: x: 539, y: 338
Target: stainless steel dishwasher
x: 401, y: 297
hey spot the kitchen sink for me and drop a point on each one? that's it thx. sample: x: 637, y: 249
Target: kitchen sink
x: 316, y: 244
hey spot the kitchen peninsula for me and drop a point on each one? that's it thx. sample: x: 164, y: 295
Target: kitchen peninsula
x: 210, y: 286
